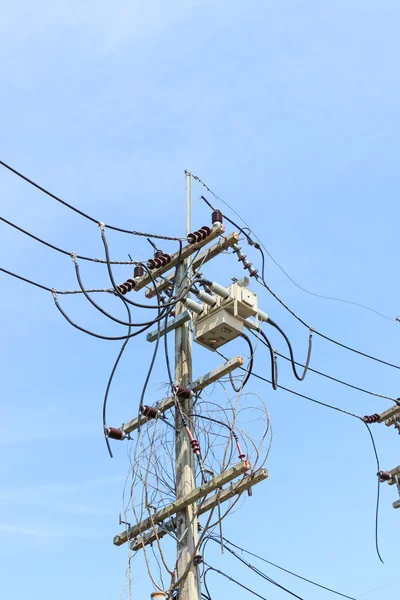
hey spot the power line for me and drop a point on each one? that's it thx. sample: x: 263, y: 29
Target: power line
x: 279, y: 567
x: 276, y: 262
x: 340, y: 381
x: 80, y: 212
x: 264, y: 284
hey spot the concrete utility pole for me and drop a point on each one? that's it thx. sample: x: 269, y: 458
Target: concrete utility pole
x: 186, y: 520
x: 179, y: 518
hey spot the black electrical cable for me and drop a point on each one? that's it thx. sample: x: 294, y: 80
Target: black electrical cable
x: 263, y: 575
x: 274, y: 363
x: 251, y: 242
x: 39, y: 285
x: 329, y: 339
x: 111, y: 379
x: 378, y: 493
x: 100, y: 309
x: 322, y: 335
x: 298, y: 394
x: 209, y: 568
x: 249, y: 368
x: 350, y: 385
x: 53, y: 247
x: 289, y: 345
x: 281, y: 568
x: 149, y: 372
x: 80, y: 212
x: 97, y: 335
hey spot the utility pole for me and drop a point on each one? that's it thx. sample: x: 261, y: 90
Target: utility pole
x: 186, y: 520
x: 179, y: 518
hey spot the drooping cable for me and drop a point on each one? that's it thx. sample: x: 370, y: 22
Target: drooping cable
x: 110, y: 379
x: 289, y: 345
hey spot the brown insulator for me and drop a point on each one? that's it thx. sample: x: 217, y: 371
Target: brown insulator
x: 151, y: 264
x: 242, y: 257
x: 115, y: 434
x: 237, y: 249
x: 150, y: 411
x: 158, y: 253
x: 198, y: 559
x: 206, y: 229
x: 247, y: 265
x: 371, y: 418
x: 253, y: 272
x: 216, y: 216
x: 183, y: 393
x: 162, y: 260
x: 126, y: 287
x: 191, y: 238
x: 384, y: 476
x: 172, y: 313
x: 138, y: 271
x: 168, y: 258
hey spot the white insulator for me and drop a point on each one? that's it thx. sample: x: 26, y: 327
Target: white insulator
x: 262, y: 316
x: 220, y: 290
x: 210, y: 300
x: 193, y: 306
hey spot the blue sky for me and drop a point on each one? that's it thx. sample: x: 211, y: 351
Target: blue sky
x: 289, y: 111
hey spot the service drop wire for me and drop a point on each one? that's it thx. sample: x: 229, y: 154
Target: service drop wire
x: 289, y: 345
x: 111, y: 379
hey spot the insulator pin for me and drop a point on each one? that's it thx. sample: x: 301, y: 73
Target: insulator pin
x: 183, y: 393
x: 216, y: 217
x: 384, y: 476
x: 115, y: 434
x: 126, y: 287
x: 150, y: 411
x: 371, y: 418
x: 138, y: 271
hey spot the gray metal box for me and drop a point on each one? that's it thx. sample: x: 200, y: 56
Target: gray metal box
x: 217, y: 329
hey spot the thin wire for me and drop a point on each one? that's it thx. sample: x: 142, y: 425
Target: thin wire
x: 276, y: 262
x: 230, y: 579
x: 80, y: 212
x: 333, y: 341
x: 285, y: 570
x: 345, y: 383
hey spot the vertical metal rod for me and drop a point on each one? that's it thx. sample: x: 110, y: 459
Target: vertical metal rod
x: 186, y: 520
x: 188, y: 177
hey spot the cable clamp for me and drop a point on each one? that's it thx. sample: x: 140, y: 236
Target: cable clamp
x: 312, y: 329
x: 54, y: 292
x: 102, y: 225
x: 73, y: 257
